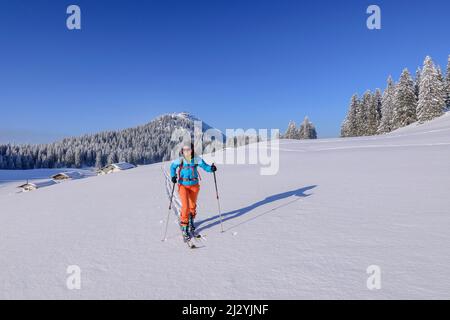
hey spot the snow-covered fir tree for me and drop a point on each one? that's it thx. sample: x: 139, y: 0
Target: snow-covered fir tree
x: 373, y: 105
x: 417, y: 83
x: 99, y: 159
x: 387, y: 107
x: 363, y: 113
x: 378, y: 100
x: 307, y: 130
x: 349, y: 128
x: 440, y: 75
x: 405, y: 102
x: 291, y: 131
x: 431, y: 93
x: 442, y: 80
x: 447, y: 84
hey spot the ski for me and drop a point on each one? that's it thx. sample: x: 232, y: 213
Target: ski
x: 199, y: 237
x: 191, y: 245
x: 189, y: 242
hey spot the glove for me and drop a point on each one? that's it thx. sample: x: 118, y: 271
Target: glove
x: 174, y: 179
x: 213, y: 168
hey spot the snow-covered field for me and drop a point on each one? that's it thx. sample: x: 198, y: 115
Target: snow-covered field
x: 336, y: 207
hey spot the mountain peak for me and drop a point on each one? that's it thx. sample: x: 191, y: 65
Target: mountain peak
x: 183, y: 115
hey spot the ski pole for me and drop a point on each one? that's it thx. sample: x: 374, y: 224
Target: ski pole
x: 218, y: 202
x: 168, y: 213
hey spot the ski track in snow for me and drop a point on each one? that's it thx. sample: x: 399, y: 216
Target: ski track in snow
x: 336, y: 207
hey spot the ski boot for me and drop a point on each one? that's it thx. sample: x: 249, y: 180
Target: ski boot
x: 185, y: 233
x: 194, y: 234
x: 191, y: 226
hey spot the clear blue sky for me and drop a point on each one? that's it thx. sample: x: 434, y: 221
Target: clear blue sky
x: 232, y: 63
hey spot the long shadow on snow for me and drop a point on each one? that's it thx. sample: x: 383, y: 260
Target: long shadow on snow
x: 298, y: 193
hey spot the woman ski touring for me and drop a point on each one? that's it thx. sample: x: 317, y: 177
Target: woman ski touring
x: 184, y: 171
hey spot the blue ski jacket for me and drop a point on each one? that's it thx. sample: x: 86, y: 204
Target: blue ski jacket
x: 188, y: 174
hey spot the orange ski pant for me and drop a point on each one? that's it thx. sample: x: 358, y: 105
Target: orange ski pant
x: 188, y: 197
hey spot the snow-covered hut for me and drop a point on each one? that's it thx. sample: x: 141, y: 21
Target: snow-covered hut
x: 115, y: 167
x: 30, y: 186
x: 67, y: 176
